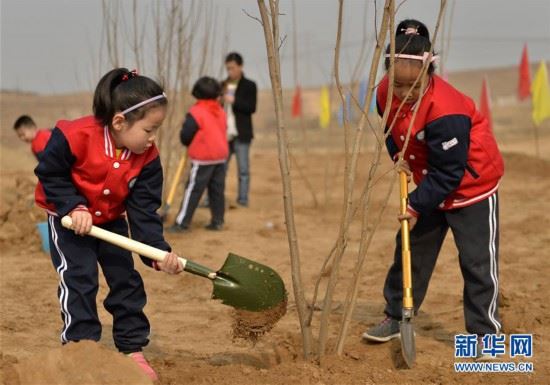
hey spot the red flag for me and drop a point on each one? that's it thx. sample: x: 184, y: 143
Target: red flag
x: 485, y: 102
x: 297, y: 102
x: 524, y: 85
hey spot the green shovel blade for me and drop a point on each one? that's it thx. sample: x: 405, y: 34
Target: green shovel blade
x: 248, y: 285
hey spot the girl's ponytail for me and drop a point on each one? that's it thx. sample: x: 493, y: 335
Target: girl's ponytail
x: 411, y: 38
x: 120, y: 89
x: 103, y: 96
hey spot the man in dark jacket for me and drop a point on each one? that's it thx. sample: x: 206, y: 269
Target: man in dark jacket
x: 240, y: 104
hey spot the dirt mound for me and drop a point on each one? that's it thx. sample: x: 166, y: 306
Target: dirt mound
x: 85, y: 362
x: 18, y: 213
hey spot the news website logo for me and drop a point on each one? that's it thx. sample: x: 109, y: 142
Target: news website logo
x: 486, y: 350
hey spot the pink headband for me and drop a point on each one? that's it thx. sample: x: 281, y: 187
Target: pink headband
x: 422, y: 58
x: 141, y: 104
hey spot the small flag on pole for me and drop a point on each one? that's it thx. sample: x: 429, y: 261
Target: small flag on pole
x: 324, y: 116
x: 297, y: 102
x: 540, y: 92
x: 524, y: 84
x: 485, y: 102
x: 341, y: 114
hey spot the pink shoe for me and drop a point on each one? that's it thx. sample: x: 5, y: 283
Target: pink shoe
x: 139, y: 359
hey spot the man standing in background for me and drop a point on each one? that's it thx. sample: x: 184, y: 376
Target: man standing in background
x: 240, y: 103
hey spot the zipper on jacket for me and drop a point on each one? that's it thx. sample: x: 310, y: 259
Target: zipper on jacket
x: 472, y: 171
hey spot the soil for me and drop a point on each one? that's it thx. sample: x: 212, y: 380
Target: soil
x: 192, y: 340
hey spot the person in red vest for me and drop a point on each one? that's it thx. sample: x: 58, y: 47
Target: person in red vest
x: 455, y: 162
x: 204, y: 132
x: 27, y: 131
x: 105, y: 170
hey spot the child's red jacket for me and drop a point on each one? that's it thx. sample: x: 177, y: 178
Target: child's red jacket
x: 452, y: 151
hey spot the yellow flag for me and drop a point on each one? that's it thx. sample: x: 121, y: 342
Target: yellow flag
x: 541, y: 95
x: 324, y: 116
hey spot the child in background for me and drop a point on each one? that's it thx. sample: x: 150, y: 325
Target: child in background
x: 456, y: 165
x: 204, y: 132
x: 105, y: 170
x: 27, y: 131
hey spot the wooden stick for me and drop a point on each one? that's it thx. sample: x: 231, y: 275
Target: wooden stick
x: 271, y: 34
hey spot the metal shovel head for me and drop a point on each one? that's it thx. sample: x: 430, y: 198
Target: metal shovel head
x: 249, y: 285
x: 408, y: 346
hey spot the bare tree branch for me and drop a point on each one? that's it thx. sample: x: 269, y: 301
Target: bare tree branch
x: 270, y: 28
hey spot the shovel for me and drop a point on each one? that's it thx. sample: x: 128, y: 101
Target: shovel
x: 173, y: 188
x: 408, y: 346
x: 240, y: 283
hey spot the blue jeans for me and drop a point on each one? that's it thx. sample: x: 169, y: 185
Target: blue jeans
x: 241, y: 151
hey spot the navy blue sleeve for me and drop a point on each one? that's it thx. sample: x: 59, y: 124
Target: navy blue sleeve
x: 245, y: 102
x: 393, y: 150
x: 54, y: 172
x: 141, y: 206
x: 188, y: 130
x: 448, y: 142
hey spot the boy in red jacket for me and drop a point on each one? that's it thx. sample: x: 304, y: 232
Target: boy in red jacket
x: 204, y: 132
x: 27, y: 131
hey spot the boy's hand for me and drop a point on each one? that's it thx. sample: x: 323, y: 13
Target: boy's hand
x: 170, y: 264
x: 404, y: 166
x: 82, y: 221
x: 411, y: 218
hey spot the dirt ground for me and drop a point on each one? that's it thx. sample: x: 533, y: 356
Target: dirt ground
x: 191, y: 335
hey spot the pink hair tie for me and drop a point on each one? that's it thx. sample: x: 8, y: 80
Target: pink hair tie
x: 410, y: 31
x: 129, y: 75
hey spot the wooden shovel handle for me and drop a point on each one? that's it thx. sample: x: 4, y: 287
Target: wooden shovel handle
x: 405, y: 242
x: 176, y: 180
x: 124, y: 242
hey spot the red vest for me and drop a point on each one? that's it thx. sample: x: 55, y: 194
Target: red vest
x: 39, y: 142
x: 209, y: 144
x: 97, y: 173
x: 485, y: 163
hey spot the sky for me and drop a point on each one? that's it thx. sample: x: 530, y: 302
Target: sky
x: 54, y: 46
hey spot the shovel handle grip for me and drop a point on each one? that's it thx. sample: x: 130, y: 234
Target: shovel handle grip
x: 124, y: 242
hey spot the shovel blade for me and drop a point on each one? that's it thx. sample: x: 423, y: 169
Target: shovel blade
x: 248, y: 285
x: 408, y: 345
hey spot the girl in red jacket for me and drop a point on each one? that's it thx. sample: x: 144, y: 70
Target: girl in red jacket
x: 105, y: 170
x: 455, y: 163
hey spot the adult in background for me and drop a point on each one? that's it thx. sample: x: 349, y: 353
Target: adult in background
x: 240, y: 103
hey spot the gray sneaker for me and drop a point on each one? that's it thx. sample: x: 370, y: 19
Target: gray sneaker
x: 385, y: 331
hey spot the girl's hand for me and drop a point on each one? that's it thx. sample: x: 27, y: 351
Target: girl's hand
x: 411, y: 218
x: 404, y: 167
x: 170, y: 264
x: 82, y: 221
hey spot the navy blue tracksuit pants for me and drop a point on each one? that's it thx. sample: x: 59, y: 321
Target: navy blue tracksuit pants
x: 475, y: 230
x: 76, y: 260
